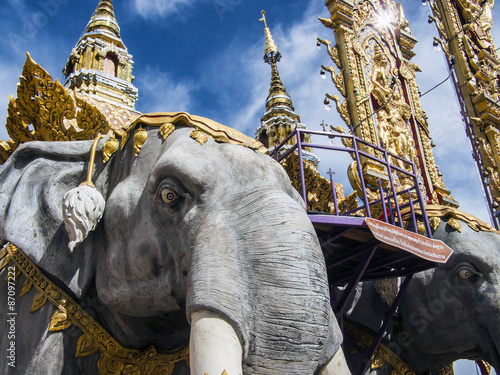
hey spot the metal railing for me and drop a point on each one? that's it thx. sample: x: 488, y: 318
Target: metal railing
x: 391, y: 212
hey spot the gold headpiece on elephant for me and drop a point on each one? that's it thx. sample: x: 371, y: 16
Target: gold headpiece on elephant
x: 167, y: 121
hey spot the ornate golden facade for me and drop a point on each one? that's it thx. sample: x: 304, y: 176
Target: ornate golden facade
x: 100, y: 66
x: 464, y: 29
x: 372, y: 53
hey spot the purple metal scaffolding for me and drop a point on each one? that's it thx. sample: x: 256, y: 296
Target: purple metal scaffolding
x: 362, y: 257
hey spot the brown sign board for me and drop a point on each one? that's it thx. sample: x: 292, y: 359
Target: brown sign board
x: 423, y: 247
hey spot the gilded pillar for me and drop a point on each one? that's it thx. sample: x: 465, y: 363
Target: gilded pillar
x: 464, y: 34
x: 374, y: 74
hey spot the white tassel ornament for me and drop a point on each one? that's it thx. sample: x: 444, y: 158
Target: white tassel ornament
x: 83, y: 206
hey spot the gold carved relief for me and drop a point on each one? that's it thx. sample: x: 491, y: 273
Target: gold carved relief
x: 318, y: 188
x: 45, y: 111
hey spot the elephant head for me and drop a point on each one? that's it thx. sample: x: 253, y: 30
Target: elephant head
x: 199, y: 238
x: 450, y: 312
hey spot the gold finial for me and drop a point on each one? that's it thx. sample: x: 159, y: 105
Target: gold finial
x: 104, y: 19
x: 271, y: 52
x: 263, y: 18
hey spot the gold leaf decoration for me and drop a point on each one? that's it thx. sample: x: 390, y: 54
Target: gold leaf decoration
x: 45, y: 111
x: 60, y: 320
x: 5, y: 260
x: 109, y: 148
x: 166, y: 129
x: 455, y: 224
x: 199, y: 136
x: 90, y: 122
x: 434, y: 222
x: 25, y: 288
x: 124, y: 140
x: 140, y: 137
x: 319, y: 189
x: 85, y: 346
x: 376, y: 362
x: 38, y: 302
x: 420, y: 227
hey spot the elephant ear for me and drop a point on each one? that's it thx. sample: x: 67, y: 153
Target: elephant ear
x: 33, y: 182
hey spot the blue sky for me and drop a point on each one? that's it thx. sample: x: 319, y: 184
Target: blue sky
x: 205, y: 57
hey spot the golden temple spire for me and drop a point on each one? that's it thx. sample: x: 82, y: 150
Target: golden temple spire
x: 100, y: 66
x: 278, y: 97
x: 279, y: 119
x: 104, y: 24
x: 271, y: 48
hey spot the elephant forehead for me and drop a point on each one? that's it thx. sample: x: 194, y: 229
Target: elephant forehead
x: 213, y: 165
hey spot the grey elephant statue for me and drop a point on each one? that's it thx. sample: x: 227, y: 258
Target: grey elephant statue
x: 202, y: 240
x: 448, y: 313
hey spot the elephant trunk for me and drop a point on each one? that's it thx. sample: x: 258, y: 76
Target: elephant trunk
x: 492, y: 351
x: 257, y: 264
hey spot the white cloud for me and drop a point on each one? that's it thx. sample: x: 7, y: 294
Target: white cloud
x: 160, y: 92
x: 159, y: 8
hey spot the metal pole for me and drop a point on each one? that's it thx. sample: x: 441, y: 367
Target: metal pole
x: 385, y: 323
x: 301, y: 165
x: 334, y: 191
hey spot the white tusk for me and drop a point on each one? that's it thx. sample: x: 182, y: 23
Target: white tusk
x: 214, y: 347
x: 337, y: 366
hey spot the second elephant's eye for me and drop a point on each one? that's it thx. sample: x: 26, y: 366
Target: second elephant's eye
x: 168, y: 195
x: 465, y: 273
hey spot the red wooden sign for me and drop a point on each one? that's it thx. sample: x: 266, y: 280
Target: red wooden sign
x: 423, y: 247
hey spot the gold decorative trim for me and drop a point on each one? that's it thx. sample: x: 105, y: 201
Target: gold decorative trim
x: 199, y: 137
x: 436, y: 213
x: 115, y: 359
x: 109, y: 148
x: 213, y: 129
x: 166, y: 129
x: 140, y: 137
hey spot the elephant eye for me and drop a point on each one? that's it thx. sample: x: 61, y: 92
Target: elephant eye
x: 466, y: 273
x: 168, y: 195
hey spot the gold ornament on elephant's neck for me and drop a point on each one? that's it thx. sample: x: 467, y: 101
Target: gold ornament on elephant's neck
x: 115, y: 359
